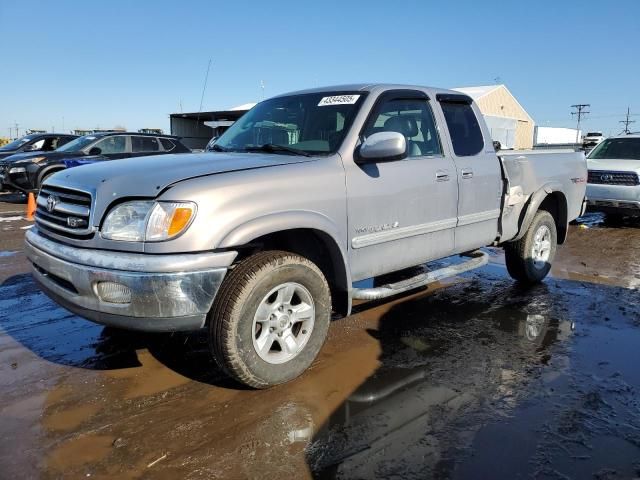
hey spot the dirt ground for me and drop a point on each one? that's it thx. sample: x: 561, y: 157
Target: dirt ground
x: 471, y: 378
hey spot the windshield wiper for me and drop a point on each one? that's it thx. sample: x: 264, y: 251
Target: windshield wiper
x: 275, y: 148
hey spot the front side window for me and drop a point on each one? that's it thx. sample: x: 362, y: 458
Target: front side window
x: 618, y: 149
x: 112, y: 145
x: 144, y: 144
x: 464, y: 129
x: 36, y: 146
x: 314, y: 123
x: 413, y: 119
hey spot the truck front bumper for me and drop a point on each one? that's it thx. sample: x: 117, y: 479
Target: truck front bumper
x: 127, y: 290
x: 614, y: 198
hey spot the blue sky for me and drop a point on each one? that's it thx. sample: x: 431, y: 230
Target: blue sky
x: 132, y: 63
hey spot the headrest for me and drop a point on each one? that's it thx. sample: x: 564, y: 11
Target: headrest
x: 407, y: 126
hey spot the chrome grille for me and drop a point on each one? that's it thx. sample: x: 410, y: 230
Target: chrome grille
x: 64, y: 211
x: 606, y: 177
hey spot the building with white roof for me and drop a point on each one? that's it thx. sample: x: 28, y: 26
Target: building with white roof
x: 509, y: 122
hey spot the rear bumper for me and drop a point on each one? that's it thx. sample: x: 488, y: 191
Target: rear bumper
x: 162, y: 292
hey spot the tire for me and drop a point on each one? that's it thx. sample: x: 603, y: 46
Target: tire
x: 520, y: 255
x: 236, y: 328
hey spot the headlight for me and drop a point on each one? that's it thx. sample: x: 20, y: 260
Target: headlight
x: 17, y: 170
x: 149, y: 221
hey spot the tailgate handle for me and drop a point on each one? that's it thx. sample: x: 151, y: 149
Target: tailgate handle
x: 467, y: 173
x: 442, y: 176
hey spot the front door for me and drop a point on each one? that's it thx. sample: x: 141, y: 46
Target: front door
x: 401, y: 213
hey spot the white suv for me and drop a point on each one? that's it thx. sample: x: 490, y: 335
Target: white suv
x: 614, y: 176
x: 591, y: 139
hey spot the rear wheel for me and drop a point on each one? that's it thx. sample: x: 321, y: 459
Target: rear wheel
x: 270, y: 318
x: 529, y: 259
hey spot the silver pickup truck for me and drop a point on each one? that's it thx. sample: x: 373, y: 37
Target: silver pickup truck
x: 262, y: 240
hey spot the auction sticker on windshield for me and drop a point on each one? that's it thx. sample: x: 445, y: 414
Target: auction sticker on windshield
x: 339, y: 100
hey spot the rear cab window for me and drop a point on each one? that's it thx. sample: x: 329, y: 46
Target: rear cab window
x: 464, y: 128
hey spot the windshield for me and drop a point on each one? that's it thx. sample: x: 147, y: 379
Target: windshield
x: 77, y: 144
x: 617, y: 148
x: 594, y: 134
x: 313, y: 123
x: 17, y: 143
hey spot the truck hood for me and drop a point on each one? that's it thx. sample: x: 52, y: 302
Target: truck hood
x: 614, y: 164
x: 148, y: 176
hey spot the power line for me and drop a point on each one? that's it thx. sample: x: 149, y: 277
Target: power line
x: 626, y: 122
x: 580, y: 111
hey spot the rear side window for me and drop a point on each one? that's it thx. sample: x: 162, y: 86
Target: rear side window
x: 167, y: 144
x: 144, y: 144
x: 464, y: 128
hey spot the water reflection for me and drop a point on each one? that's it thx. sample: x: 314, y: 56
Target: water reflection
x: 448, y: 362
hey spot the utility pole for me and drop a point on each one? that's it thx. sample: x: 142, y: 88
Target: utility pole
x: 580, y: 112
x: 17, y: 125
x: 627, y: 122
x: 262, y: 88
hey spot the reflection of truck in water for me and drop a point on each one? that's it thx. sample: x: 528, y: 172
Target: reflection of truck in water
x: 261, y: 240
x: 436, y: 374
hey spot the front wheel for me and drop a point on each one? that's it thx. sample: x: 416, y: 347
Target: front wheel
x: 270, y: 318
x: 529, y: 259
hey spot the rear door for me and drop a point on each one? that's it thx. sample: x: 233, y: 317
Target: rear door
x: 479, y: 172
x: 401, y: 213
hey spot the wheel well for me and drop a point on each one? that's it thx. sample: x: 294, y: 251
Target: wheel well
x: 556, y: 204
x: 315, y: 245
x: 47, y: 172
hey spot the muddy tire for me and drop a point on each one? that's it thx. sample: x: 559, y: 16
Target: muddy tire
x: 270, y: 318
x: 529, y: 259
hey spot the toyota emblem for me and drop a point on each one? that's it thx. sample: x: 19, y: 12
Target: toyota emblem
x: 606, y: 177
x: 52, y: 201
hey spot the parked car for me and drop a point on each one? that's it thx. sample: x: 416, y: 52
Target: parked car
x: 27, y: 171
x: 309, y: 192
x: 37, y: 142
x: 591, y: 139
x: 614, y: 176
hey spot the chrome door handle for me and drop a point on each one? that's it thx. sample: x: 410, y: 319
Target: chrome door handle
x: 466, y: 173
x: 442, y: 176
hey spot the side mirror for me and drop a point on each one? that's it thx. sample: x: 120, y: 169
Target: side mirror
x: 95, y: 151
x: 497, y: 145
x: 381, y: 147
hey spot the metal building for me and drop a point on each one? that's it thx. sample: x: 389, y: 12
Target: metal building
x: 196, y: 129
x: 509, y: 122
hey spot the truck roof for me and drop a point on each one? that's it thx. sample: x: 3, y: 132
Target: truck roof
x: 371, y: 87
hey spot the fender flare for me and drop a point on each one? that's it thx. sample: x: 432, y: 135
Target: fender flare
x: 245, y: 233
x: 533, y: 205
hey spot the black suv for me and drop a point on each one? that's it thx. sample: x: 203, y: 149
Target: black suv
x: 27, y: 171
x: 36, y: 142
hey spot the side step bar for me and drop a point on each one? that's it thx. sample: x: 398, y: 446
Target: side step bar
x: 477, y: 259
